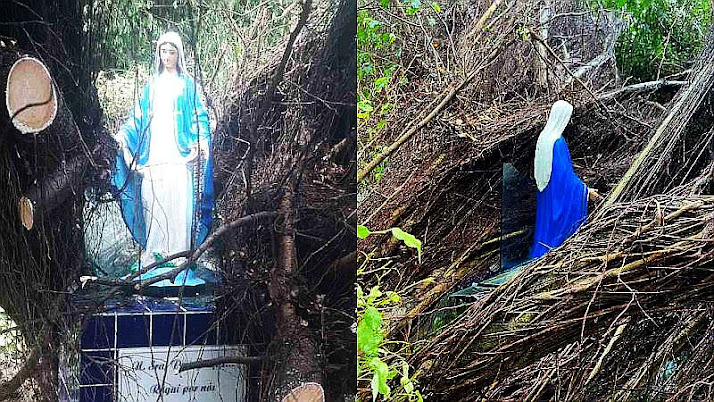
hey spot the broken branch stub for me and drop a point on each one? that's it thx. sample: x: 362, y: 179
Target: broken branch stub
x: 30, y: 96
x: 51, y: 192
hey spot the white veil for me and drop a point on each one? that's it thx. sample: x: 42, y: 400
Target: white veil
x: 174, y: 39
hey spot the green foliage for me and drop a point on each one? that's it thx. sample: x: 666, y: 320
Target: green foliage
x: 10, y: 339
x: 662, y: 36
x: 377, y: 361
x: 362, y: 232
x: 369, y: 334
x: 372, y: 349
x: 379, y: 72
x: 376, y: 61
x: 408, y: 239
x: 220, y: 36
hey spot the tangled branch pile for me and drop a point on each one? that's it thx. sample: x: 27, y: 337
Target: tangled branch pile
x: 611, y: 312
x: 288, y: 145
x: 284, y: 146
x: 444, y: 184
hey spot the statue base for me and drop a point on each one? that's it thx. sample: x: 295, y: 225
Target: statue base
x: 133, y: 350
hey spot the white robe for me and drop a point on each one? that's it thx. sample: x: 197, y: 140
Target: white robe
x: 166, y: 186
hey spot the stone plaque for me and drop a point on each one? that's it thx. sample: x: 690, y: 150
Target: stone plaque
x: 146, y: 373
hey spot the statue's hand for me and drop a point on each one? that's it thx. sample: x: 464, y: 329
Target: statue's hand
x: 594, y: 196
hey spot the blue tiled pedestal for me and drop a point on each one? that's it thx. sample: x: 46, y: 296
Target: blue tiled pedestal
x: 132, y: 352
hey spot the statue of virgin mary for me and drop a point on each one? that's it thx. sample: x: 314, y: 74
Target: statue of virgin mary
x: 164, y: 171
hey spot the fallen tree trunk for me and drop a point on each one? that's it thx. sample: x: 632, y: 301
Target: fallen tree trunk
x: 42, y: 95
x: 42, y: 159
x: 36, y: 106
x: 297, y: 355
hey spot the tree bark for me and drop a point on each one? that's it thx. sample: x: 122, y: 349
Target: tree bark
x: 297, y: 354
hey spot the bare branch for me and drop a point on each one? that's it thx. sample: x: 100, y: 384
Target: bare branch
x: 129, y: 282
x: 219, y: 361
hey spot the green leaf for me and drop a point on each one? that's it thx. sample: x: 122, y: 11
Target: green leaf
x: 392, y: 373
x: 386, y: 108
x: 380, y: 83
x: 365, y: 106
x: 381, y: 124
x: 362, y: 232
x: 375, y: 386
x: 369, y: 332
x: 431, y: 21
x: 381, y: 375
x: 361, y: 34
x: 407, y: 385
x: 384, y: 3
x: 374, y: 294
x: 436, y: 7
x: 393, y: 297
x: 408, y: 239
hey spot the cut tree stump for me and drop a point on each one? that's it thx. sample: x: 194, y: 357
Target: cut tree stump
x: 35, y: 105
x: 30, y: 96
x: 307, y: 392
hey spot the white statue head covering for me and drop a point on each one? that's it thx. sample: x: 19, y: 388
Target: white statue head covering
x: 558, y: 119
x: 174, y: 39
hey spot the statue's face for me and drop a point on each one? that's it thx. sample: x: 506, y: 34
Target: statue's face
x: 169, y: 56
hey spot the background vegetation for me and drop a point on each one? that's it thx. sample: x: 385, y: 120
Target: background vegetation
x: 662, y: 36
x: 221, y: 37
